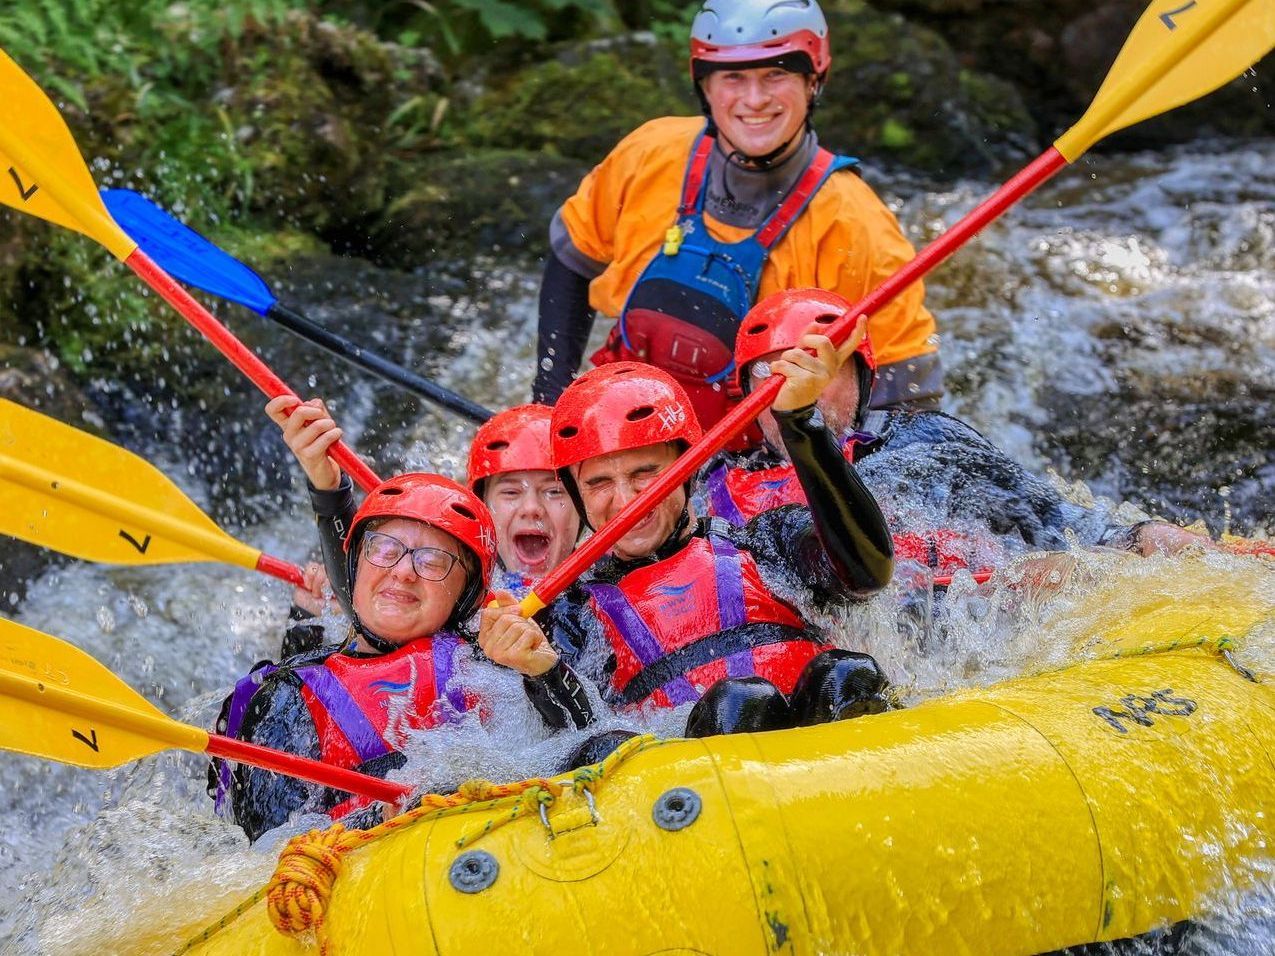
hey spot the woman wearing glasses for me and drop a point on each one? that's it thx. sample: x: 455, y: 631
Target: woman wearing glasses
x: 414, y: 568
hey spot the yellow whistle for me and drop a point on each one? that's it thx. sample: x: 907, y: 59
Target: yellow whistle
x: 672, y: 240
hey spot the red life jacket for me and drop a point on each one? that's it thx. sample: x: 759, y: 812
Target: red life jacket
x: 674, y: 625
x: 363, y: 707
x: 738, y: 495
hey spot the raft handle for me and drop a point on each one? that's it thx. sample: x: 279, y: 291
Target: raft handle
x: 593, y: 816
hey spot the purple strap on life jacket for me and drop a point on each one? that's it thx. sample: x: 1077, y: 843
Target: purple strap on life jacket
x: 240, y: 698
x: 719, y: 496
x: 634, y: 632
x: 728, y: 576
x: 343, y: 710
x: 445, y: 647
x: 730, y: 600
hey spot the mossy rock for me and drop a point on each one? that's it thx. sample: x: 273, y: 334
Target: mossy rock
x: 898, y: 94
x: 583, y: 102
x: 475, y: 201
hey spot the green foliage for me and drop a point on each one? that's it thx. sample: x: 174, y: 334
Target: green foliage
x: 581, y: 110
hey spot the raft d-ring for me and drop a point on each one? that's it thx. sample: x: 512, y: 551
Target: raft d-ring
x: 676, y: 809
x: 1248, y: 675
x: 593, y: 816
x: 473, y: 871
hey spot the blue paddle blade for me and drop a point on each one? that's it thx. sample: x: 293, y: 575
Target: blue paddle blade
x: 185, y: 254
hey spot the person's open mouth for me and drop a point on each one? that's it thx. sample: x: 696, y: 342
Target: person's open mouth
x: 531, y: 548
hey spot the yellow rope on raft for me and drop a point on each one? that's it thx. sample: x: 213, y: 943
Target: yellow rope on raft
x: 298, y: 893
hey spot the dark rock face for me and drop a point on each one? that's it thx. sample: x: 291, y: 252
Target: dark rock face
x: 476, y: 201
x: 1056, y: 54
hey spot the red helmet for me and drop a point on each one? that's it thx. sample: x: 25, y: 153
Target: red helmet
x: 440, y: 503
x: 756, y: 31
x: 517, y: 439
x: 619, y: 406
x: 779, y: 321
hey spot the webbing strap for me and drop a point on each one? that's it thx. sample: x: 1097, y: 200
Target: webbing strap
x: 773, y: 229
x: 728, y: 571
x: 696, y: 170
x: 714, y: 647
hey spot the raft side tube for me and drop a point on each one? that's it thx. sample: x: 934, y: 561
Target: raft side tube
x: 1020, y: 818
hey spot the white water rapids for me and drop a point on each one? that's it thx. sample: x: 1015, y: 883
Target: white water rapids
x: 1119, y: 327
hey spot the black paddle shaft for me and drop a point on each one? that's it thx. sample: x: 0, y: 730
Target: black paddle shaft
x: 369, y: 361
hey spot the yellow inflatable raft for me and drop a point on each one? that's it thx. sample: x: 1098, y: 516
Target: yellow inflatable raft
x: 1090, y: 803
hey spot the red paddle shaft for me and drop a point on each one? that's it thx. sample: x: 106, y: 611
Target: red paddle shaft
x: 304, y: 768
x: 238, y: 353
x: 281, y: 569
x: 739, y: 417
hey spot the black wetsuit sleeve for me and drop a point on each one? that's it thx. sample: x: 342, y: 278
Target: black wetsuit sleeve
x: 566, y: 319
x: 850, y: 533
x: 277, y: 717
x: 333, y: 512
x: 304, y: 633
x: 560, y: 698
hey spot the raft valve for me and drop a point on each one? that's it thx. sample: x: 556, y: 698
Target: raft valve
x: 676, y: 809
x: 474, y: 871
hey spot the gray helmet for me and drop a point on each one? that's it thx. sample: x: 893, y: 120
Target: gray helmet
x: 758, y: 31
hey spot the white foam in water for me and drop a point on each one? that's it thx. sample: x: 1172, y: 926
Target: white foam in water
x: 1176, y: 247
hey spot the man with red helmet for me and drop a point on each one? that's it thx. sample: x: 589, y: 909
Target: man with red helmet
x: 686, y: 223
x: 410, y: 571
x: 511, y: 469
x: 924, y: 466
x: 689, y: 611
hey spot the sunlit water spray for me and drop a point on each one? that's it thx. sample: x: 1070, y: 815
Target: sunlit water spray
x: 1103, y: 294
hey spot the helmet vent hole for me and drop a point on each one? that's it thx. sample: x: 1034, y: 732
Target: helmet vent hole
x: 464, y: 512
x: 825, y: 318
x: 500, y: 445
x: 756, y: 329
x: 639, y: 413
x: 570, y: 431
x: 389, y: 492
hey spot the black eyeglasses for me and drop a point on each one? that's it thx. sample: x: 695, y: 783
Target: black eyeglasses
x: 385, y: 551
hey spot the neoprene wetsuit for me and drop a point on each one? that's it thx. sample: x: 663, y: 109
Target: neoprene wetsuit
x: 928, y: 467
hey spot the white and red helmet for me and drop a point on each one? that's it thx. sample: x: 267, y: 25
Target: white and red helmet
x: 729, y: 33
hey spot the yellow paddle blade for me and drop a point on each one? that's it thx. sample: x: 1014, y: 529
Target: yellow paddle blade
x: 1178, y: 51
x: 41, y: 170
x: 72, y: 492
x: 60, y: 703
